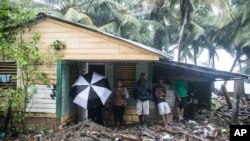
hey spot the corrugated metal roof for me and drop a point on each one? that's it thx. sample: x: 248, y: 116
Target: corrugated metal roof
x: 216, y: 74
x: 144, y: 47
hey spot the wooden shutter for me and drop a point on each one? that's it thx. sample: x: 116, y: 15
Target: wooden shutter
x: 126, y: 73
x: 9, y: 68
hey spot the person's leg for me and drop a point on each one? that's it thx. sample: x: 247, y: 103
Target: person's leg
x: 120, y: 115
x: 139, y: 112
x: 179, y: 113
x: 165, y: 119
x: 166, y: 112
x: 99, y: 118
x: 91, y: 115
x: 183, y: 106
x: 182, y: 112
x: 115, y: 115
x: 141, y: 119
x: 146, y: 112
x: 178, y: 106
x: 161, y: 112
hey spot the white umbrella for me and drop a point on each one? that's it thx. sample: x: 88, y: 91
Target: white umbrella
x: 91, y: 88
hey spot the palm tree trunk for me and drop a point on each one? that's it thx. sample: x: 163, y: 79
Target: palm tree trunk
x: 185, y: 14
x: 181, y: 35
x: 213, y: 62
x: 236, y: 59
x: 223, y: 86
x: 195, y: 51
x: 195, y: 58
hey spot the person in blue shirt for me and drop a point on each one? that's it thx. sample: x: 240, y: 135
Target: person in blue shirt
x: 142, y: 94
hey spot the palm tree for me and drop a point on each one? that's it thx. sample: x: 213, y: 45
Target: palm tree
x: 234, y: 35
x: 65, y: 9
x: 157, y: 28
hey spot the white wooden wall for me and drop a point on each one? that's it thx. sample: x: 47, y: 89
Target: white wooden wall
x: 42, y: 102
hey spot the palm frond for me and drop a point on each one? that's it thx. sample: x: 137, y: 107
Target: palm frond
x: 111, y: 28
x: 245, y: 19
x: 49, y: 11
x: 75, y: 16
x: 102, y: 12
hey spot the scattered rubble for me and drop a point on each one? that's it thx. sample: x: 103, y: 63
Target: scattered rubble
x: 206, y: 125
x: 224, y: 114
x: 89, y: 131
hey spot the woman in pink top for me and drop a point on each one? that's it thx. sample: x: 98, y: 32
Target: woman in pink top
x: 120, y: 94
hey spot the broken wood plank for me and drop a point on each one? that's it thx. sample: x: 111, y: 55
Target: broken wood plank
x: 129, y: 137
x: 166, y: 130
x: 148, y: 133
x: 93, y: 137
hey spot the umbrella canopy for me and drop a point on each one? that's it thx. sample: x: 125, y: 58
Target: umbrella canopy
x: 91, y: 89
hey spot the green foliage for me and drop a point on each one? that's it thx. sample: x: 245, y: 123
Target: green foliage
x: 214, y: 104
x: 58, y: 45
x: 111, y: 28
x: 28, y: 58
x: 75, y: 16
x: 25, y: 53
x: 212, y: 23
x: 13, y: 99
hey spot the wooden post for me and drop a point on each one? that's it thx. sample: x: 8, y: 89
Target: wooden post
x: 224, y: 91
x: 238, y: 92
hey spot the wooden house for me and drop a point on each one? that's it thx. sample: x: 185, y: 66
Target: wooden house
x: 90, y: 50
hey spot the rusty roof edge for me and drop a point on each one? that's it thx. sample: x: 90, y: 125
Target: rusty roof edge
x: 204, y: 69
x: 147, y: 48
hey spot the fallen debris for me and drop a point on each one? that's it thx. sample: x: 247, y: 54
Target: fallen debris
x: 206, y: 125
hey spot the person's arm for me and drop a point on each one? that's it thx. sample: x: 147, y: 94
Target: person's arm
x: 126, y: 93
x: 156, y: 93
x: 134, y: 93
x: 164, y: 91
x: 150, y: 91
x: 175, y: 92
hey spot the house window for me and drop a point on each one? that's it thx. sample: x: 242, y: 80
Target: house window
x: 8, y: 72
x: 125, y: 72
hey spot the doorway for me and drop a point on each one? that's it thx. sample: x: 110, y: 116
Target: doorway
x: 95, y: 110
x: 98, y: 68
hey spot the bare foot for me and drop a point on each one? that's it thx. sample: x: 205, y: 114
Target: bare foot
x: 168, y: 128
x: 170, y: 124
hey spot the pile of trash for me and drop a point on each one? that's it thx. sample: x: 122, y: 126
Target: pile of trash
x: 194, y: 130
x: 224, y: 115
x: 90, y: 131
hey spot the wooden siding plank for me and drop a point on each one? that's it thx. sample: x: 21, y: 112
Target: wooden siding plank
x: 92, y: 45
x: 42, y: 96
x: 41, y: 106
x: 108, y: 57
x: 41, y: 110
x: 43, y: 100
x: 89, y: 51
